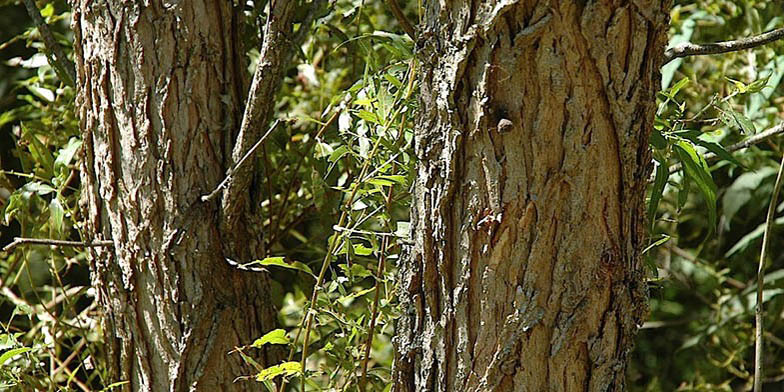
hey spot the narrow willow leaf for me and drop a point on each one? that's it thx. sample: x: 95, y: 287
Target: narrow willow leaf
x: 276, y: 336
x: 696, y: 169
x: 657, y: 140
x: 658, y: 242
x: 367, y: 116
x: 280, y: 262
x: 12, y: 353
x: 732, y: 119
x: 284, y: 369
x: 720, y: 152
x: 683, y: 193
x: 662, y: 174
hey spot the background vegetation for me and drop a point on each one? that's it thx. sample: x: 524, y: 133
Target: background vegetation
x: 337, y: 172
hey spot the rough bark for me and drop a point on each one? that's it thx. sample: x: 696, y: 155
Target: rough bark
x: 525, y: 271
x: 160, y: 101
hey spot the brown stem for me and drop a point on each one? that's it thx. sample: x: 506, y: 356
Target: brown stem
x: 689, y: 49
x: 401, y: 18
x: 758, y: 313
x: 45, y: 241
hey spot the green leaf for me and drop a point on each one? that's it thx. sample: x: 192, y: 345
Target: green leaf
x: 66, y: 154
x: 38, y: 187
x: 747, y: 239
x: 362, y: 250
x: 671, y: 92
x: 276, y: 336
x: 367, y: 116
x: 733, y: 118
x: 56, y: 216
x: 38, y: 150
x: 657, y: 140
x: 280, y: 262
x: 660, y: 181
x: 284, y: 369
x: 696, y: 169
x: 12, y: 353
x: 658, y: 242
x: 720, y: 152
x: 323, y: 150
x: 683, y: 192
x: 48, y: 10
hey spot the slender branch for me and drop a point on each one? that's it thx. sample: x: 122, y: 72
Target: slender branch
x: 212, y: 195
x: 62, y: 66
x: 758, y: 328
x: 374, y: 311
x: 276, y: 52
x: 689, y: 49
x: 60, y: 243
x: 401, y: 18
x: 758, y: 138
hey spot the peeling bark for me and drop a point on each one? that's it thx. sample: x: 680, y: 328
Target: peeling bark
x: 528, y: 216
x: 160, y: 96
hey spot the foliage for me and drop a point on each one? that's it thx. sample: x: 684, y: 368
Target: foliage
x: 335, y: 181
x: 703, y: 288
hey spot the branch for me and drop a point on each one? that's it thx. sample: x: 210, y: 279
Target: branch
x: 401, y: 18
x: 212, y: 195
x: 62, y: 66
x: 276, y: 52
x: 45, y: 241
x: 689, y: 49
x: 756, y: 139
x: 758, y: 311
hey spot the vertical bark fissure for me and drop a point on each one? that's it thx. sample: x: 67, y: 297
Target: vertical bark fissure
x: 527, y: 217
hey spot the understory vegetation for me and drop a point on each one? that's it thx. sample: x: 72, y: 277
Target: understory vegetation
x: 337, y: 171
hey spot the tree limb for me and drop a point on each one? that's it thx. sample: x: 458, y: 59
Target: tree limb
x: 276, y: 52
x: 230, y: 173
x: 45, y: 241
x: 63, y: 67
x: 689, y: 49
x: 401, y: 18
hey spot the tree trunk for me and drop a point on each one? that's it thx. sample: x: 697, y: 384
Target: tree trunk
x: 528, y: 216
x: 160, y: 100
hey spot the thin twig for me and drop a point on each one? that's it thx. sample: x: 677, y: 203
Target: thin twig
x: 758, y: 328
x: 46, y: 241
x: 689, y: 49
x: 212, y: 195
x: 61, y: 64
x: 374, y: 311
x: 401, y: 18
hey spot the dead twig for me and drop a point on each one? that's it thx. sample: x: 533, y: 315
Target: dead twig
x: 60, y: 243
x: 690, y: 49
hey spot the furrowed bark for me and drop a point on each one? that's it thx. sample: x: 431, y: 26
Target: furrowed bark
x: 528, y: 216
x: 160, y: 97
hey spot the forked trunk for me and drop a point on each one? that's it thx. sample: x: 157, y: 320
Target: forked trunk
x: 160, y: 100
